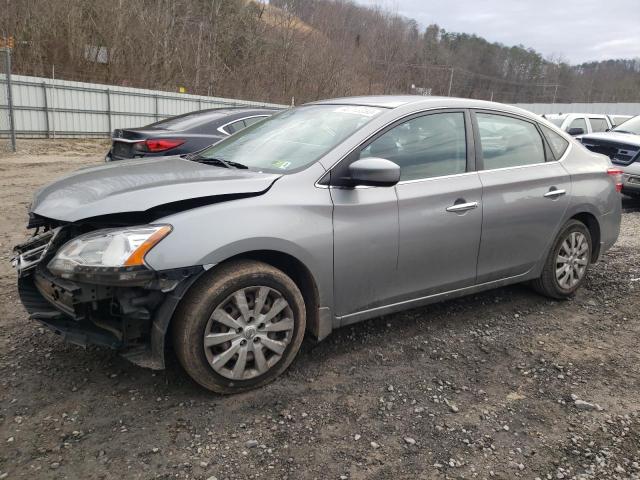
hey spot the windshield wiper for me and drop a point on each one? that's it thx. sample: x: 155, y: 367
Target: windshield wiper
x: 625, y: 131
x: 236, y: 164
x: 196, y: 157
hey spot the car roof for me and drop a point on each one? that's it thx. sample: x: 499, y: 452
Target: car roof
x: 396, y: 101
x: 230, y: 110
x: 565, y: 115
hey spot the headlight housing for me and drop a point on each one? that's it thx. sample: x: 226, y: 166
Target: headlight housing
x: 108, y: 256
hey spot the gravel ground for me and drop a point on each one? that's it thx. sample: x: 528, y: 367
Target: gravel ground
x: 504, y: 384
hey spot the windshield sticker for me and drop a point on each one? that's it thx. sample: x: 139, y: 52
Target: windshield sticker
x: 365, y: 111
x: 282, y: 165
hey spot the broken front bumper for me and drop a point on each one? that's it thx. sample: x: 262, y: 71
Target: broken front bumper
x: 130, y: 318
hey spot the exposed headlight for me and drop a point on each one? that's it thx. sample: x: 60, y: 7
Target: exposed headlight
x: 109, y: 255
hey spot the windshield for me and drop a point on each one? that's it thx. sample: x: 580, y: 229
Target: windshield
x: 292, y: 139
x: 557, y: 121
x: 630, y: 126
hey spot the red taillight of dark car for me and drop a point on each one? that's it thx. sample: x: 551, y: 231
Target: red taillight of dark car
x: 616, y: 173
x: 162, y: 144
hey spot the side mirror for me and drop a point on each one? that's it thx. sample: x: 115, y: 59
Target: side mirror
x: 374, y: 172
x: 576, y: 131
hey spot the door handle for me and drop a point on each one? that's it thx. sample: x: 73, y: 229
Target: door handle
x: 554, y: 193
x: 462, y: 207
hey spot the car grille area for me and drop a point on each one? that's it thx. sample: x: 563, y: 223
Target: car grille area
x: 619, y: 154
x: 30, y: 253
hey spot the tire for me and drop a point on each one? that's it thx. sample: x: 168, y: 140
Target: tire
x: 214, y: 308
x: 549, y: 283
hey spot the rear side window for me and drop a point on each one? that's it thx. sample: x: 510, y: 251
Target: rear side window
x: 424, y: 147
x: 251, y: 120
x: 235, y: 126
x: 508, y: 141
x: 599, y: 124
x: 558, y: 144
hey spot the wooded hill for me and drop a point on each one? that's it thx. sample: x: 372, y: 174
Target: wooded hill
x: 307, y: 49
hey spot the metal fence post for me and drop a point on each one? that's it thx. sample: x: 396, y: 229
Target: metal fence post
x: 12, y: 125
x: 46, y: 109
x: 156, y: 112
x: 109, y: 112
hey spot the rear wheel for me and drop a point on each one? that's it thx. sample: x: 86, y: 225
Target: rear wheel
x: 566, y: 266
x: 239, y: 327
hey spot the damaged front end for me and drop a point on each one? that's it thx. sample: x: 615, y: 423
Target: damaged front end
x: 91, y: 286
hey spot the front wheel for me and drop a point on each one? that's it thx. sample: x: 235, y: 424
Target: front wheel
x: 566, y: 266
x: 239, y: 327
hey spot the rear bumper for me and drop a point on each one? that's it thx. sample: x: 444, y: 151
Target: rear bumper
x: 631, y: 179
x: 631, y: 184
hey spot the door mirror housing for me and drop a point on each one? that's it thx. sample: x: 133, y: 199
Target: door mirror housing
x: 374, y: 172
x: 576, y: 131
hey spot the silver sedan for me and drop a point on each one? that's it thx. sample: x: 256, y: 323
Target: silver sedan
x: 318, y: 217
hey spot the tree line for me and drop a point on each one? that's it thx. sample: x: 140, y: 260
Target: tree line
x: 290, y: 49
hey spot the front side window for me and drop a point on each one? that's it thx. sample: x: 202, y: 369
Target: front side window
x: 293, y: 139
x: 598, y: 124
x: 579, y: 123
x: 508, y: 141
x: 430, y: 146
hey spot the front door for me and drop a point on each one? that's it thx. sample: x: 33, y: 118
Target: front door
x: 437, y: 219
x: 439, y: 205
x: 365, y: 258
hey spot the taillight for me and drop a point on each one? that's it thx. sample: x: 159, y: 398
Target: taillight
x: 616, y: 173
x: 162, y: 144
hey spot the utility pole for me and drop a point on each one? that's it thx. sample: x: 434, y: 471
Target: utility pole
x: 6, y: 48
x: 450, y: 82
x: 555, y: 94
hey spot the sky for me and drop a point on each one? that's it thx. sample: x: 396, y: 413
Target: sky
x: 575, y: 30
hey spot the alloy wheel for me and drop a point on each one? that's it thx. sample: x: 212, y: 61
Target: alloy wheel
x: 572, y: 260
x: 248, y: 332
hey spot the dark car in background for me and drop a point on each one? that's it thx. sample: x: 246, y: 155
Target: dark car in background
x: 182, y: 134
x: 622, y: 146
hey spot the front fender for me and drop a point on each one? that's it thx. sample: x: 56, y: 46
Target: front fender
x: 293, y: 217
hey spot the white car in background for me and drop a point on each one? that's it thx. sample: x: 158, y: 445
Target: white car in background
x: 580, y: 123
x: 617, y: 120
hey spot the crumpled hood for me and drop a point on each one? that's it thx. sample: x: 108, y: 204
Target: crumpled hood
x: 140, y: 185
x: 612, y: 136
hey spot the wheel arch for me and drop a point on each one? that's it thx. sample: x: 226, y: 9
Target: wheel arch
x: 301, y: 276
x: 592, y: 224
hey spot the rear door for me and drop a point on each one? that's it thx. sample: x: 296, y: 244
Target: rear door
x: 525, y: 194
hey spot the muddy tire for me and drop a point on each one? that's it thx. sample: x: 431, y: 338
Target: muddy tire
x: 566, y: 266
x: 239, y: 327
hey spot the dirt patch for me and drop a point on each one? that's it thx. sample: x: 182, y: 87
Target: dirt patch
x: 71, y: 147
x: 473, y: 388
